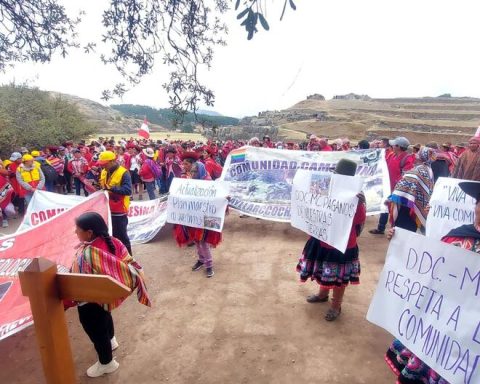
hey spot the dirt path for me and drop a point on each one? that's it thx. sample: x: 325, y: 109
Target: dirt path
x: 248, y: 324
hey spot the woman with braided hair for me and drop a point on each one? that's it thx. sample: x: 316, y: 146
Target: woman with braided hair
x: 101, y: 254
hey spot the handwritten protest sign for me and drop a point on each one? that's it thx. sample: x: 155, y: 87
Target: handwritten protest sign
x: 427, y: 297
x: 323, y: 205
x: 261, y: 178
x: 198, y: 203
x: 450, y: 208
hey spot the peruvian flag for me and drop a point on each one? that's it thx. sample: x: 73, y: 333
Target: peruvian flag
x: 144, y: 130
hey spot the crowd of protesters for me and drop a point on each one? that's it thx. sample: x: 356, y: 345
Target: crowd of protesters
x: 132, y: 168
x: 152, y: 165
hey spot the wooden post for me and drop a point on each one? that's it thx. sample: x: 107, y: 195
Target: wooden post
x: 46, y: 289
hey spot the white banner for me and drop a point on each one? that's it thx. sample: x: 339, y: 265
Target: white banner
x: 145, y: 218
x: 323, y: 205
x: 450, y: 208
x: 427, y: 297
x: 261, y: 178
x: 198, y: 203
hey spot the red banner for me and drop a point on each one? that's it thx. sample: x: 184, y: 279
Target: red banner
x: 54, y: 239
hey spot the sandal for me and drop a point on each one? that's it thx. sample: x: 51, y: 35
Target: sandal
x: 332, y: 314
x: 317, y: 299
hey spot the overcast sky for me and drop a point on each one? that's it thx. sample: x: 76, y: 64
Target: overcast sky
x: 382, y: 48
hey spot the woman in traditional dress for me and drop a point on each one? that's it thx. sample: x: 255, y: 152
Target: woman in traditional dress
x: 409, y: 200
x: 203, y: 238
x: 101, y: 254
x: 330, y: 268
x: 408, y: 367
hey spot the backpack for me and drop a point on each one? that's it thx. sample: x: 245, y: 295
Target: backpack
x: 48, y: 171
x: 155, y: 168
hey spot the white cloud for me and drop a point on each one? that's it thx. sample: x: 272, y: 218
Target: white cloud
x: 381, y: 48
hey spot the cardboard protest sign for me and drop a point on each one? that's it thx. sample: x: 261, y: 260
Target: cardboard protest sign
x: 198, y: 203
x: 450, y: 208
x: 261, y: 178
x: 145, y: 218
x: 54, y: 239
x: 323, y: 205
x: 427, y: 297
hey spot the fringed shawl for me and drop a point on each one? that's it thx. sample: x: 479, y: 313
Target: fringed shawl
x: 121, y: 267
x: 414, y: 191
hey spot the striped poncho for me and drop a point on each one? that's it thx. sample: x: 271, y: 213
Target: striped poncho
x: 414, y: 191
x: 95, y: 258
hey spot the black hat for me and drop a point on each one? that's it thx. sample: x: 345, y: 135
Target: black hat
x: 471, y: 188
x: 346, y: 167
x: 363, y: 144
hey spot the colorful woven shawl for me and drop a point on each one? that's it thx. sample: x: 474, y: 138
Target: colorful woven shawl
x: 123, y: 268
x: 414, y: 191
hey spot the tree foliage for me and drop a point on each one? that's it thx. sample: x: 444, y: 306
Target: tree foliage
x: 34, y: 30
x: 254, y: 13
x: 137, y: 33
x: 34, y: 119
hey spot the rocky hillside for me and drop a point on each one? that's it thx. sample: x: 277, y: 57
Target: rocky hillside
x: 421, y: 120
x: 440, y: 119
x: 106, y: 119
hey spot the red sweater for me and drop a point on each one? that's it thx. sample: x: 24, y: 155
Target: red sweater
x: 214, y: 169
x: 398, y: 165
x: 146, y: 173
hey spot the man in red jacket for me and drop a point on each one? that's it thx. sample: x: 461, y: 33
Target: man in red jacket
x: 398, y: 163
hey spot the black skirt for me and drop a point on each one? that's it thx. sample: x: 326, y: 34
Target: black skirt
x: 328, y: 266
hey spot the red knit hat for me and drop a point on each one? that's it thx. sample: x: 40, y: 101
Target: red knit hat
x: 189, y: 155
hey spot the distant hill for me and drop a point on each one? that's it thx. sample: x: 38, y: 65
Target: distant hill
x: 442, y: 119
x: 423, y: 119
x: 208, y: 112
x: 103, y: 118
x: 168, y: 119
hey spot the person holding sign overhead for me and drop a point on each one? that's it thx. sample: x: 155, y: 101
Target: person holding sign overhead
x: 409, y: 368
x: 330, y: 268
x: 203, y: 238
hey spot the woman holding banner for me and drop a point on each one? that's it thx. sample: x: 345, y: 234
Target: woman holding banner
x: 101, y: 254
x: 203, y: 238
x: 330, y: 268
x: 408, y: 367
